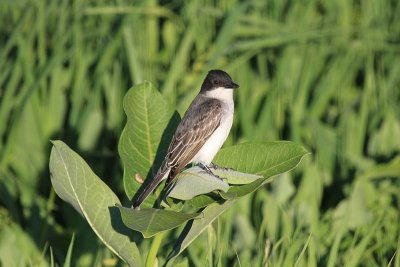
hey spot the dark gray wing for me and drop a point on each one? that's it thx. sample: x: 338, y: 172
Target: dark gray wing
x: 197, y: 125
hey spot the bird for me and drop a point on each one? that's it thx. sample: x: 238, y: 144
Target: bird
x: 200, y: 134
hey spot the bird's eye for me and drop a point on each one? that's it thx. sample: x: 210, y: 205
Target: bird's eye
x: 215, y: 82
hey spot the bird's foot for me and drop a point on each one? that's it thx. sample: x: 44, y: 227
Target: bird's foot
x: 207, y: 170
x: 212, y: 165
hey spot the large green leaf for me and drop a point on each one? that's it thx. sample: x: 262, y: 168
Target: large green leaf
x: 201, y: 201
x: 242, y: 190
x: 232, y: 177
x: 235, y: 177
x: 146, y: 136
x: 75, y: 183
x: 152, y: 221
x: 267, y: 159
x: 261, y: 158
x: 278, y: 157
x: 195, y: 181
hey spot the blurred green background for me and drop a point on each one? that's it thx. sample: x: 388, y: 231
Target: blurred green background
x: 324, y: 74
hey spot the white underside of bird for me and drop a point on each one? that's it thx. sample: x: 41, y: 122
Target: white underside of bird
x: 217, y: 139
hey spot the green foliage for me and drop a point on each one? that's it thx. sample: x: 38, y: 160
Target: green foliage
x: 67, y: 262
x: 195, y: 181
x: 153, y: 221
x: 150, y: 119
x: 235, y: 177
x: 75, y: 183
x: 210, y: 213
x: 323, y: 74
x: 266, y: 159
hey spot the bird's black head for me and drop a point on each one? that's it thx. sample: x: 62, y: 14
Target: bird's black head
x: 216, y: 79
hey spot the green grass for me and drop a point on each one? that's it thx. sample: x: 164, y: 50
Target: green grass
x: 324, y: 74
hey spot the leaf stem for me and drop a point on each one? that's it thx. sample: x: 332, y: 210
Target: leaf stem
x: 155, y: 245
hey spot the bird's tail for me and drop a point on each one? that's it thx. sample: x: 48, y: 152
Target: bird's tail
x: 157, y: 179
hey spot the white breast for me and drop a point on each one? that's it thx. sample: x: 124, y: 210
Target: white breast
x: 217, y: 139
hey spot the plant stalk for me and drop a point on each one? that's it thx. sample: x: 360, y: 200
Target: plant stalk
x: 155, y: 245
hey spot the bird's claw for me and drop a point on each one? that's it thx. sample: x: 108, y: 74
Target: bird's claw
x: 207, y: 169
x: 212, y: 165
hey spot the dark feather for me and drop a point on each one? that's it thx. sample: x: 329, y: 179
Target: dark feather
x: 192, y: 133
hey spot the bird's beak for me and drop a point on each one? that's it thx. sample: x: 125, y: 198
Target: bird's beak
x: 234, y: 85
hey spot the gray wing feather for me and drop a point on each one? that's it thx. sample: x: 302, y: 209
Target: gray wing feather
x: 197, y: 125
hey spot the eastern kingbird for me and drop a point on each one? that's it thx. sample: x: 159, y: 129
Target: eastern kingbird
x: 201, y: 133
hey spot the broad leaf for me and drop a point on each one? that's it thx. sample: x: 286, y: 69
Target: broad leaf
x: 195, y: 181
x: 232, y: 177
x: 201, y: 201
x: 151, y: 123
x: 235, y: 177
x: 242, y: 190
x: 75, y: 183
x: 267, y: 159
x: 279, y: 157
x: 152, y: 221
